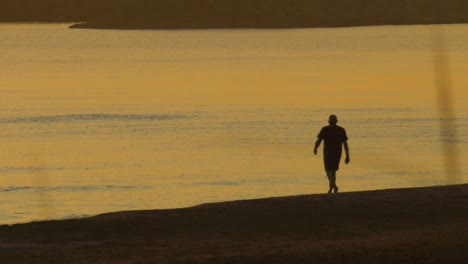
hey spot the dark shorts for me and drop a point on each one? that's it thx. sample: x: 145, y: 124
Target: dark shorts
x: 331, y: 160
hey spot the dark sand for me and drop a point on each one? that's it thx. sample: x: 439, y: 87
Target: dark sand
x: 418, y: 225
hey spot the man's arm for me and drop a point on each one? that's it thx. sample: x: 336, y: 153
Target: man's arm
x: 317, y: 145
x: 346, y: 148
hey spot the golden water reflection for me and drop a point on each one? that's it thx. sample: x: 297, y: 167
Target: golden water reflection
x: 97, y: 121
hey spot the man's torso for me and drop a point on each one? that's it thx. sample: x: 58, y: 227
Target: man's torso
x: 333, y: 137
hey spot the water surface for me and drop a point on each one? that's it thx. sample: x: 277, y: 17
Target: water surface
x: 95, y: 121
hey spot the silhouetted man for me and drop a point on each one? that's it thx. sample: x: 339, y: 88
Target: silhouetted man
x: 334, y: 137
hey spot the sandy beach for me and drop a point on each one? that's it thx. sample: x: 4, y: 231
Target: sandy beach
x: 415, y: 225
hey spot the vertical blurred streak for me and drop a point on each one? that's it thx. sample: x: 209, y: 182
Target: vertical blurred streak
x: 448, y: 125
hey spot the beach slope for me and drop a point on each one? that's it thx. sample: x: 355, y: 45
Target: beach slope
x: 416, y: 225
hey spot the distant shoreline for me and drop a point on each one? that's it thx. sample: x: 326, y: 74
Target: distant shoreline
x: 411, y: 225
x: 86, y: 25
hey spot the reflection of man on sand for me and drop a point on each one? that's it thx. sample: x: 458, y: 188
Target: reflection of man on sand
x: 333, y: 136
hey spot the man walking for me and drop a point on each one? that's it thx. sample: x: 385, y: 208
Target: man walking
x: 334, y: 137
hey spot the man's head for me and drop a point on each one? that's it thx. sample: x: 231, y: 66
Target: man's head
x: 332, y: 120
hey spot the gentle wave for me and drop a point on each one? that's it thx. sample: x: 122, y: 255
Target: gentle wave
x: 408, y: 120
x: 393, y: 120
x: 28, y: 169
x: 219, y: 183
x: 71, y: 188
x: 92, y: 117
x: 371, y: 110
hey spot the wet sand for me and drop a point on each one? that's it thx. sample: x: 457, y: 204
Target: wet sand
x: 416, y: 225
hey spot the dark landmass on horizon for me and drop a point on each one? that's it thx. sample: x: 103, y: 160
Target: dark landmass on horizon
x: 414, y: 225
x: 207, y: 14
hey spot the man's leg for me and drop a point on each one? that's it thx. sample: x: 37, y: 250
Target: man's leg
x: 330, y: 183
x: 333, y: 181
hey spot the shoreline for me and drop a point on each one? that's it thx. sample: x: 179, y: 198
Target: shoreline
x: 426, y: 224
x: 86, y: 25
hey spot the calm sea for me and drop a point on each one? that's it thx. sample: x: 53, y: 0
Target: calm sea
x: 95, y: 121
